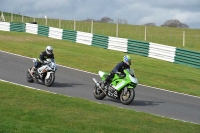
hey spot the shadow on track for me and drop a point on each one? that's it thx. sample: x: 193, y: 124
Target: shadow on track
x: 145, y: 103
x: 136, y: 102
x: 57, y: 84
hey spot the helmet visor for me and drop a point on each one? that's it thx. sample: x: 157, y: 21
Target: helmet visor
x: 50, y: 51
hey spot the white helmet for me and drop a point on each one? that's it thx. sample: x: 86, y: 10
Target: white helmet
x: 49, y: 50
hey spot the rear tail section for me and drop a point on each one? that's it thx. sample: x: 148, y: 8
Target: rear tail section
x: 103, y: 75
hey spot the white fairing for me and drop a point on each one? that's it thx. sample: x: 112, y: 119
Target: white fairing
x: 53, y: 66
x: 50, y: 66
x: 48, y: 75
x: 40, y: 70
x: 101, y: 73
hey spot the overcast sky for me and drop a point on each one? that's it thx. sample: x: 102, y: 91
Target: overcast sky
x: 136, y: 12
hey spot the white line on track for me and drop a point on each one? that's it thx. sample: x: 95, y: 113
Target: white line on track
x: 26, y: 86
x: 97, y: 74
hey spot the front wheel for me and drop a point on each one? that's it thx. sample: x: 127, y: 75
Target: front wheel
x: 29, y: 78
x: 49, y: 82
x: 98, y: 93
x: 127, y: 97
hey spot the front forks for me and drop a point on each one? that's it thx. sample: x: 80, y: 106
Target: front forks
x: 125, y: 90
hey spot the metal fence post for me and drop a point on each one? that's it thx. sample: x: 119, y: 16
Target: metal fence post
x: 117, y: 30
x: 11, y: 17
x: 22, y: 18
x: 59, y: 22
x: 92, y: 27
x: 145, y: 33
x: 45, y: 20
x: 183, y: 38
x: 74, y: 24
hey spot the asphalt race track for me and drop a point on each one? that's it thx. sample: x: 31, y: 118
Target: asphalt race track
x: 78, y: 83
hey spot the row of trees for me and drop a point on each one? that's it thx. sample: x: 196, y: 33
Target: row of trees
x: 169, y: 23
x: 109, y: 20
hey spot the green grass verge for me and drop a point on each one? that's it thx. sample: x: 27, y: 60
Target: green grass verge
x: 24, y: 110
x: 149, y: 71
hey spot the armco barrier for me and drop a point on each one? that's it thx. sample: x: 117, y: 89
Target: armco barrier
x: 43, y: 30
x: 153, y: 50
x: 31, y: 28
x: 187, y: 57
x: 69, y: 35
x: 55, y: 33
x: 18, y: 27
x: 119, y: 44
x: 162, y: 52
x: 84, y: 38
x: 138, y: 47
x: 100, y: 41
x: 4, y: 26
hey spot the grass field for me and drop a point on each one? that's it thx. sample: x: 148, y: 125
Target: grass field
x: 156, y: 34
x: 25, y: 110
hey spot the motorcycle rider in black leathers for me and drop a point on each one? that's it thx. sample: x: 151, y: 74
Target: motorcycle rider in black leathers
x: 119, y: 68
x: 48, y: 53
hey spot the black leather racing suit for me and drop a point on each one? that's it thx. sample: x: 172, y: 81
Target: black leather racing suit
x: 118, y: 68
x: 42, y: 57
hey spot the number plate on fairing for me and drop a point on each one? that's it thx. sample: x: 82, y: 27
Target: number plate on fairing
x: 120, y: 85
x: 112, y: 93
x: 40, y: 70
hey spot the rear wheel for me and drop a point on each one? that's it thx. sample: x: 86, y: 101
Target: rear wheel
x: 29, y: 78
x: 98, y: 93
x: 127, y: 97
x: 49, y: 82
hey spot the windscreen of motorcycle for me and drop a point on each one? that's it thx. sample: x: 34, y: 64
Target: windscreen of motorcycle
x: 131, y: 72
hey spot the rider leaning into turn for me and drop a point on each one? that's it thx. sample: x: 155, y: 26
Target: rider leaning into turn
x: 48, y: 53
x: 125, y: 64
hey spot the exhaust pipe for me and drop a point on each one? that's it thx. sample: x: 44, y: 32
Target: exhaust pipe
x: 30, y: 72
x: 95, y: 81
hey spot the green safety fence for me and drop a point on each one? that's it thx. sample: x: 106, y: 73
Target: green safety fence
x: 138, y: 47
x: 18, y: 27
x: 187, y: 57
x: 43, y: 30
x: 182, y: 56
x: 100, y: 41
x: 69, y: 35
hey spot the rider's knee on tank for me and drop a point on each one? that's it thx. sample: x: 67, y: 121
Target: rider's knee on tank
x: 38, y: 64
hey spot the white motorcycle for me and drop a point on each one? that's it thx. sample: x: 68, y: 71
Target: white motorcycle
x: 45, y: 74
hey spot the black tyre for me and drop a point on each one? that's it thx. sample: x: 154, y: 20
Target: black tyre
x: 98, y: 93
x: 49, y: 82
x: 128, y: 97
x: 29, y: 78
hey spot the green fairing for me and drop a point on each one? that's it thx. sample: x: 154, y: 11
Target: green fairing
x: 119, y: 81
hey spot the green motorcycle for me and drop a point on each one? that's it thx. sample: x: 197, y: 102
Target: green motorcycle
x: 121, y: 87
